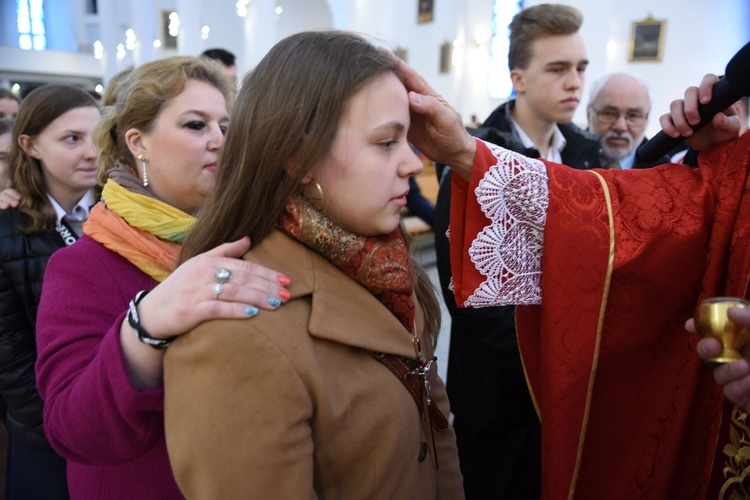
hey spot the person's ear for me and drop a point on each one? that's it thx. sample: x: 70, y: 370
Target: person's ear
x: 517, y: 78
x: 26, y: 142
x: 134, y: 140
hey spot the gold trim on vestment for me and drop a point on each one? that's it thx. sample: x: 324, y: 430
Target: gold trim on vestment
x: 526, y: 375
x: 600, y: 326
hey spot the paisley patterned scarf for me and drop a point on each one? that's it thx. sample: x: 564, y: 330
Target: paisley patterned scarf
x: 380, y: 264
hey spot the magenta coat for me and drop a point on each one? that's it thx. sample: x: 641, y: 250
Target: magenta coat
x: 111, y: 433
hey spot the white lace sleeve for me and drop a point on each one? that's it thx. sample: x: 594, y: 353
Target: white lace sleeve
x: 514, y: 195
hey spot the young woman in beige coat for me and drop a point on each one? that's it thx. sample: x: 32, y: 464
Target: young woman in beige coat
x: 306, y: 402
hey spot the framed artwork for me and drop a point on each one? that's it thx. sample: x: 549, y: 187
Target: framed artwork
x: 647, y: 40
x: 445, y: 57
x: 425, y: 13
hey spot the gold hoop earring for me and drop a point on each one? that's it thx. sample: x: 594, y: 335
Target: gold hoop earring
x: 320, y: 190
x: 145, y: 173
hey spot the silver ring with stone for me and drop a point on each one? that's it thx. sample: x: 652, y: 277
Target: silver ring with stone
x: 222, y: 275
x: 218, y: 288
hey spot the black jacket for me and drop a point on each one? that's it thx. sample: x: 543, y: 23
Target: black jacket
x: 23, y: 259
x: 582, y: 149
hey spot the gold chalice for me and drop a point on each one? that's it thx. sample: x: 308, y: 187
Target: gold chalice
x: 711, y: 320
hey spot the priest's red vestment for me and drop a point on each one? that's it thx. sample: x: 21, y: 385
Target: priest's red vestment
x: 628, y: 409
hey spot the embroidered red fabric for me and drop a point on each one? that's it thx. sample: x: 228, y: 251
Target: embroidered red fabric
x: 627, y: 407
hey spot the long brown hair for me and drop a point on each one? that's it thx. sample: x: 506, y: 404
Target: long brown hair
x: 140, y: 98
x: 284, y: 121
x: 40, y: 108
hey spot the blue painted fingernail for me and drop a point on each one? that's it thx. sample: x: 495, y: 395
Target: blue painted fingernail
x: 251, y: 311
x: 274, y: 301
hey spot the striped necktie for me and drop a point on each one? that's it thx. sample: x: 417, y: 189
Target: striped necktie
x: 74, y: 225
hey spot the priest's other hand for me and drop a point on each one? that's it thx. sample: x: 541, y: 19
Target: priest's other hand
x: 735, y: 376
x: 684, y: 114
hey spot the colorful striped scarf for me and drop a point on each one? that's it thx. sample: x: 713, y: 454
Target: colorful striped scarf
x: 145, y: 231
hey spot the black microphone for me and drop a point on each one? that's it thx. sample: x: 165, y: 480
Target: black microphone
x: 728, y: 90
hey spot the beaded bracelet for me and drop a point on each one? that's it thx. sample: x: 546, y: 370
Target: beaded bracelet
x: 140, y: 332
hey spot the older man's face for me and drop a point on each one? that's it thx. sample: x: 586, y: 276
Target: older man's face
x: 619, y: 116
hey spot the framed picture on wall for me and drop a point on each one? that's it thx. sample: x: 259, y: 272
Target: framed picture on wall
x: 446, y: 54
x: 647, y: 40
x: 425, y: 13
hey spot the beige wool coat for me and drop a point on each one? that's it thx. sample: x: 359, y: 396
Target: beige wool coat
x: 292, y: 405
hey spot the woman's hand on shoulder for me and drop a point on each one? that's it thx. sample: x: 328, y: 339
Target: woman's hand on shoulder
x: 9, y: 198
x: 215, y: 284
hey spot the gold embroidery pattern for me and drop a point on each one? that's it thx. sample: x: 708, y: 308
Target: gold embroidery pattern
x: 737, y: 466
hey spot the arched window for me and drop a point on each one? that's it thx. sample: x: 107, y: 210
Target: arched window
x: 30, y: 20
x: 499, y: 85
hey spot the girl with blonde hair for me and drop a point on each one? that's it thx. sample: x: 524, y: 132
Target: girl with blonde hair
x: 113, y: 301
